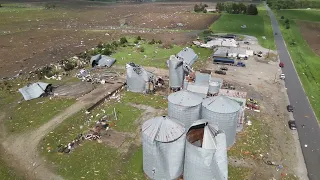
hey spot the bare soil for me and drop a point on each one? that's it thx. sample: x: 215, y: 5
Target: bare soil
x: 33, y: 38
x: 311, y: 33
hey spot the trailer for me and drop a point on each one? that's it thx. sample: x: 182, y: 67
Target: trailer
x: 228, y: 61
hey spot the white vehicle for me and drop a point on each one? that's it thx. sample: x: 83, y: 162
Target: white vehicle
x: 282, y: 76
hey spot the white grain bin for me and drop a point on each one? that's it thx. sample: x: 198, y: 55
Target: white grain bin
x: 184, y: 106
x: 206, y: 152
x: 224, y: 112
x: 163, y: 143
x: 138, y: 79
x: 214, y: 87
x: 176, y: 72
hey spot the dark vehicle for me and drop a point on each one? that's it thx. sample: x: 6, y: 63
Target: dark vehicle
x: 290, y: 108
x: 223, y: 60
x: 246, y: 42
x: 220, y: 72
x: 275, y: 33
x: 241, y: 64
x: 224, y: 68
x: 292, y: 125
x: 281, y: 64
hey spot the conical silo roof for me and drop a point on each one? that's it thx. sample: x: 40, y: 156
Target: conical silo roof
x: 185, y: 98
x: 221, y: 104
x: 163, y: 129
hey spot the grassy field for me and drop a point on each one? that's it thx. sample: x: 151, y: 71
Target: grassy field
x: 251, y: 142
x: 238, y: 173
x: 154, y: 54
x: 92, y: 159
x: 7, y: 173
x: 306, y: 62
x: 299, y: 14
x: 257, y: 26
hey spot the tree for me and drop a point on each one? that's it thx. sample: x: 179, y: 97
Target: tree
x: 204, y: 11
x: 152, y: 41
x: 123, y: 40
x: 115, y: 44
x: 287, y: 21
x: 252, y: 10
x: 139, y: 38
x: 242, y: 8
x: 220, y: 7
x: 288, y: 26
x: 196, y: 8
x: 205, y: 5
x: 235, y: 8
x: 282, y: 17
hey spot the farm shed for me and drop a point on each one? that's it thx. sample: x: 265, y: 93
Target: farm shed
x: 223, y: 111
x: 163, y: 144
x: 35, y: 90
x: 206, y: 152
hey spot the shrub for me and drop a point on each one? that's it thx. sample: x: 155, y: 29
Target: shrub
x: 152, y: 41
x: 100, y: 45
x: 205, y: 5
x: 123, y: 40
x: 159, y: 42
x: 288, y: 26
x: 204, y: 11
x: 287, y: 21
x: 142, y: 49
x: 282, y: 17
x: 69, y: 65
x: 139, y: 38
x: 136, y: 41
x: 50, y: 6
x: 106, y: 51
x: 115, y: 43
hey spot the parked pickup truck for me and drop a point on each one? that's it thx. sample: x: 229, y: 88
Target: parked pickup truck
x: 227, y: 61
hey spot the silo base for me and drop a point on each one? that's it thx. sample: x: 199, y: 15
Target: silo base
x: 147, y: 177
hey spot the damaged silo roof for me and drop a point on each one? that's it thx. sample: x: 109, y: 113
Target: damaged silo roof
x: 34, y: 90
x: 221, y: 104
x: 163, y: 129
x: 102, y: 60
x: 184, y: 98
x: 188, y: 56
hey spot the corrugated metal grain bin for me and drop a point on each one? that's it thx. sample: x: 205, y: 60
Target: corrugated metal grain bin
x: 137, y: 78
x: 163, y: 143
x: 184, y: 106
x: 206, y: 152
x: 224, y: 112
x: 214, y: 87
x: 176, y: 72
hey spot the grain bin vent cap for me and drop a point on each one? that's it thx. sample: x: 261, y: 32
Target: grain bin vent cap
x: 221, y: 104
x: 185, y: 98
x: 163, y: 129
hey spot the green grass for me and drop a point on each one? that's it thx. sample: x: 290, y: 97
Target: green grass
x: 32, y: 114
x: 145, y: 99
x: 252, y: 141
x: 290, y: 177
x: 257, y: 26
x: 6, y: 173
x: 238, y: 173
x: 299, y: 14
x: 306, y: 62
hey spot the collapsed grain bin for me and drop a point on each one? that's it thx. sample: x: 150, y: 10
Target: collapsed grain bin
x: 138, y: 79
x: 184, y: 106
x: 224, y: 112
x: 206, y: 152
x: 163, y: 143
x: 176, y: 72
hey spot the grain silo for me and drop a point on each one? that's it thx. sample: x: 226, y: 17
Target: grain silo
x: 224, y: 112
x: 138, y: 79
x: 163, y: 143
x: 184, y: 106
x: 214, y: 88
x: 176, y: 72
x: 206, y: 152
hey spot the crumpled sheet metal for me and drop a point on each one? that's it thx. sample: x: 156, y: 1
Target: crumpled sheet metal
x: 34, y: 90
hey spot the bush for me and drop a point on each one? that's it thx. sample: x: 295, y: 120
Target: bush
x: 287, y: 21
x: 142, y: 49
x: 287, y: 26
x: 100, y: 45
x: 69, y: 65
x: 115, y: 43
x: 159, y: 42
x: 282, y: 17
x: 205, y: 5
x: 204, y: 11
x: 152, y: 41
x: 106, y: 51
x: 50, y: 6
x: 123, y: 40
x: 139, y: 38
x: 136, y: 41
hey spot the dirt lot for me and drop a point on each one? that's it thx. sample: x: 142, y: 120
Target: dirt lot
x: 33, y: 36
x: 310, y: 32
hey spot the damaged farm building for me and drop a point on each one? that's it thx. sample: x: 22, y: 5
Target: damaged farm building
x: 205, y: 154
x: 163, y: 142
x: 102, y: 61
x: 139, y: 80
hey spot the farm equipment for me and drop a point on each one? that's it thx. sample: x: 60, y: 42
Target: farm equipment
x: 253, y: 104
x: 281, y: 64
x: 220, y: 72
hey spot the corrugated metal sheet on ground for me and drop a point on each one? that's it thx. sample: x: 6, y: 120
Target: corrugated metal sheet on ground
x: 34, y: 90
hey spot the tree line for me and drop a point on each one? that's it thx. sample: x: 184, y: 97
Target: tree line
x: 292, y: 4
x: 237, y: 8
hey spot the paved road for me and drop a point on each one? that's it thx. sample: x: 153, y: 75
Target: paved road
x: 309, y: 134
